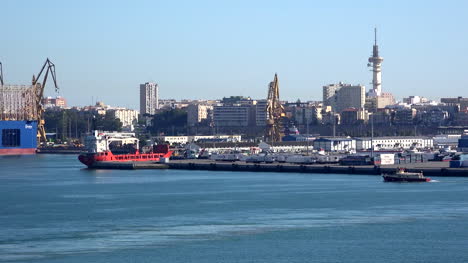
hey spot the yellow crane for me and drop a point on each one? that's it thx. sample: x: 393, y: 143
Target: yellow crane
x: 275, y: 113
x: 47, y: 68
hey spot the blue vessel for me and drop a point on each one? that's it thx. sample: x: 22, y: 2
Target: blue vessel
x: 18, y: 137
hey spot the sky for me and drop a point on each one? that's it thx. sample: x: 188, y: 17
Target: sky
x: 203, y: 49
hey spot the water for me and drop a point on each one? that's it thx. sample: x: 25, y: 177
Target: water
x: 53, y: 210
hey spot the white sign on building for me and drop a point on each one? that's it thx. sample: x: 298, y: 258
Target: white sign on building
x: 387, y: 159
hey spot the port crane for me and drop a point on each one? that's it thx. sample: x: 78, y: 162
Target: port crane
x: 1, y: 74
x: 47, y: 68
x: 275, y: 113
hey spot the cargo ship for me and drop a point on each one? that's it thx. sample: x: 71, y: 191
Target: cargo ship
x: 403, y: 176
x: 18, y: 137
x: 119, y: 147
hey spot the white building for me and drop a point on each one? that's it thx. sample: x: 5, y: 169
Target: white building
x: 127, y: 117
x: 149, y: 98
x: 335, y: 144
x: 394, y: 143
x: 191, y: 139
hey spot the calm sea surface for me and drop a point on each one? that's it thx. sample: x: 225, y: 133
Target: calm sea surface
x: 54, y: 210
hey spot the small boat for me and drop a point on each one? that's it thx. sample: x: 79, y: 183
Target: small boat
x: 403, y: 176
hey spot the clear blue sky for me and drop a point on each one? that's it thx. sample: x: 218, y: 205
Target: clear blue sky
x: 210, y: 49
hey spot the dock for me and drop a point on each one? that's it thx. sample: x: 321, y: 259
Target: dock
x: 428, y: 168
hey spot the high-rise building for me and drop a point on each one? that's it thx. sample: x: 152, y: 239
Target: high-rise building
x: 149, y: 98
x: 342, y: 96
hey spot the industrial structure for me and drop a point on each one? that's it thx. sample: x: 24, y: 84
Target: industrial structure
x: 275, y: 113
x: 1, y: 74
x: 24, y: 102
x: 39, y: 87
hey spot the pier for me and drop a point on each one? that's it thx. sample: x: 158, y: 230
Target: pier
x: 428, y: 168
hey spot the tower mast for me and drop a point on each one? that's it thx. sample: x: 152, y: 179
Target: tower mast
x: 376, y: 62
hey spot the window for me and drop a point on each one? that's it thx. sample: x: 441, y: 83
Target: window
x: 11, y: 137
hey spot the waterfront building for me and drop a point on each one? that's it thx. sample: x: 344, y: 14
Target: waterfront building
x: 335, y: 144
x: 396, y: 143
x: 451, y: 130
x: 191, y: 139
x: 149, y: 98
x: 446, y: 141
x: 342, y: 96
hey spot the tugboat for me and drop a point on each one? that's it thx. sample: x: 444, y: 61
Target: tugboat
x: 118, y: 147
x: 403, y: 176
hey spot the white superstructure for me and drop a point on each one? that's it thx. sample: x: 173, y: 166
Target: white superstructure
x: 99, y: 141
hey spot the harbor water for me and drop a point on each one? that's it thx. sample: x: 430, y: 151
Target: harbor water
x: 54, y: 210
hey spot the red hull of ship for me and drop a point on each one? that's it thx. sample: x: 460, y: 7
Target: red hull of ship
x: 90, y: 159
x: 17, y: 151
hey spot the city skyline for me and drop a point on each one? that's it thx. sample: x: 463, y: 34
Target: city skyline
x: 211, y: 50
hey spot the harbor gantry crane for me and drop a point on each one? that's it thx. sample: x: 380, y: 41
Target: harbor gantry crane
x: 275, y: 113
x: 47, y: 68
